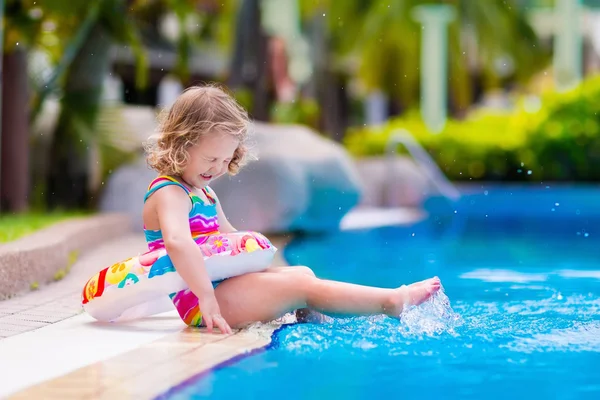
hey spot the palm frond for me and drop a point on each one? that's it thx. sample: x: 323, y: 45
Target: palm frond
x: 71, y: 49
x: 124, y: 29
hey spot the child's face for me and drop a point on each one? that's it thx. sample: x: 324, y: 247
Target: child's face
x: 209, y: 159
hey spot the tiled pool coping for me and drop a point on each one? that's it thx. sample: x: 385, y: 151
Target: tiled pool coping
x: 152, y: 369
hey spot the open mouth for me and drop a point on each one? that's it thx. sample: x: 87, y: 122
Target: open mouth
x: 206, y: 176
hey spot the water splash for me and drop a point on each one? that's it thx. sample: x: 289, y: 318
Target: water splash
x: 363, y: 337
x: 582, y: 337
x: 433, y: 317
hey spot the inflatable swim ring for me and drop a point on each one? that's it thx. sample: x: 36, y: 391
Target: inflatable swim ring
x: 148, y: 284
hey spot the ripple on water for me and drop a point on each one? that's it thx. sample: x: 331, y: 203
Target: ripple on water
x: 582, y: 337
x: 555, y: 323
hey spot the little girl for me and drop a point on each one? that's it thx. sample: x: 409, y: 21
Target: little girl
x: 203, y: 137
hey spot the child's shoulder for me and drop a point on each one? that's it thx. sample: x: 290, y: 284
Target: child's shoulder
x: 210, y: 190
x: 161, y: 182
x: 210, y: 194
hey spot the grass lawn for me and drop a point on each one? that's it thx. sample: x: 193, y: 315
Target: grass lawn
x: 14, y: 226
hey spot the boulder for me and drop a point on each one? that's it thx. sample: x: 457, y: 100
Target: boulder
x: 300, y: 182
x: 124, y: 192
x: 393, y: 182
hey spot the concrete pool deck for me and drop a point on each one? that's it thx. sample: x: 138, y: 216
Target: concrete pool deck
x: 50, y: 349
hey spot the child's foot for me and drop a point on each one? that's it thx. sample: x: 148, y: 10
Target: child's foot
x: 413, y: 294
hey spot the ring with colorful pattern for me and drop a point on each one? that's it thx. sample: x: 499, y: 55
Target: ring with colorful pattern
x: 148, y: 284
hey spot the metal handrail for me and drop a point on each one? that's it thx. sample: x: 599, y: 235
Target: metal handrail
x: 424, y: 162
x: 455, y: 229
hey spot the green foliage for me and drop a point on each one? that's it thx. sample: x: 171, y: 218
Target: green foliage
x: 567, y: 139
x: 244, y: 97
x: 64, y: 60
x: 303, y: 111
x: 481, y: 147
x: 15, y: 226
x: 73, y: 256
x: 21, y: 24
x: 113, y: 144
x: 61, y: 273
x: 555, y: 139
x: 382, y: 39
x: 116, y: 18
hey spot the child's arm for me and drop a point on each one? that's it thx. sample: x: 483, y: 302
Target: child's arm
x: 172, y: 208
x: 224, y: 224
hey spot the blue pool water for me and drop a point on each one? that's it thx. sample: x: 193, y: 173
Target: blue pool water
x: 521, y: 273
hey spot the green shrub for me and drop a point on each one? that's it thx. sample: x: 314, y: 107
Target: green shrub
x: 15, y: 226
x: 554, y: 138
x: 566, y: 142
x: 480, y: 147
x: 301, y: 111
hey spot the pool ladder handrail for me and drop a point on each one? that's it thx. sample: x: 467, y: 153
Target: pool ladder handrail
x: 424, y: 161
x: 448, y: 190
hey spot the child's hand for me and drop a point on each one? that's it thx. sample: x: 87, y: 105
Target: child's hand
x: 236, y: 244
x: 212, y: 315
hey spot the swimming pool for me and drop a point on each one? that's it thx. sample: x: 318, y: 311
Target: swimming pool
x: 521, y: 269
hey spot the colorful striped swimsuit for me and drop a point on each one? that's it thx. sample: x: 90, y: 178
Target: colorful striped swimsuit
x: 203, y: 223
x: 202, y: 217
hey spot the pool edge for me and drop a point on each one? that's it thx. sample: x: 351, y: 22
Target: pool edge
x: 194, y: 352
x: 223, y: 364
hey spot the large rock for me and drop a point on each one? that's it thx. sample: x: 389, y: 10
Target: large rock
x: 124, y: 192
x: 301, y: 182
x: 393, y: 182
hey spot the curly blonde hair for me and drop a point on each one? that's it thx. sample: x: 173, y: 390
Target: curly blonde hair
x: 198, y: 111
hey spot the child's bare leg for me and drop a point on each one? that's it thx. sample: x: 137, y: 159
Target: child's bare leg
x: 294, y: 269
x: 305, y: 314
x: 265, y: 296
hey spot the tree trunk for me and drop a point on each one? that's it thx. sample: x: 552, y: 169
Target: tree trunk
x: 328, y: 85
x: 69, y: 172
x: 249, y: 67
x: 14, y: 168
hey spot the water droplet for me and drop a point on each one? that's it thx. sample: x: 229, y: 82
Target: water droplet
x: 586, y: 234
x: 557, y: 204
